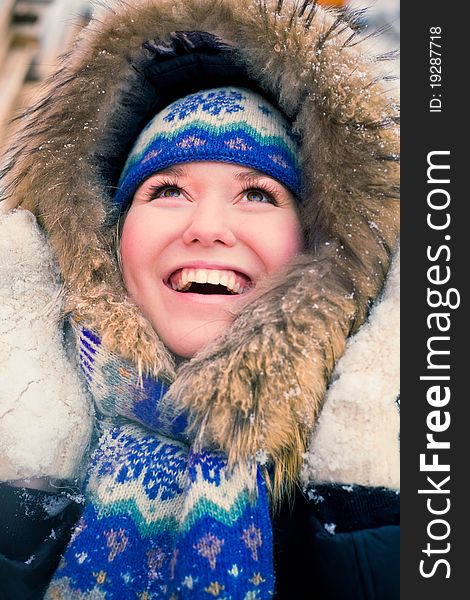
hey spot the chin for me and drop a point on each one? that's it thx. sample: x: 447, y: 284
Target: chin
x: 188, y: 344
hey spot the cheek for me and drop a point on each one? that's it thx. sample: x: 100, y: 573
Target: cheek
x: 129, y: 249
x: 280, y: 241
x: 138, y: 250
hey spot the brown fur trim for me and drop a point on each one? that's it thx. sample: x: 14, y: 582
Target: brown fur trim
x: 260, y: 386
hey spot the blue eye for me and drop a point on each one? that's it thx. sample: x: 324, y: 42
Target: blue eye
x: 169, y: 192
x: 258, y: 196
x: 164, y: 191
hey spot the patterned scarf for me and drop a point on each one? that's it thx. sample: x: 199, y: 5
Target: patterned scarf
x: 160, y: 520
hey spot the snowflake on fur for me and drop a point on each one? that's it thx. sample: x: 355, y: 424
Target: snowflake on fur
x: 212, y: 103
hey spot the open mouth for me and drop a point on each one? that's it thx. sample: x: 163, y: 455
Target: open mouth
x: 209, y: 281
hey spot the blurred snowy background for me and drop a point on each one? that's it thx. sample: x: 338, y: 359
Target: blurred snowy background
x: 383, y: 16
x: 33, y: 33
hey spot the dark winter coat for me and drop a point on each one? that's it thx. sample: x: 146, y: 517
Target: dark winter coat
x: 359, y: 561
x: 128, y: 64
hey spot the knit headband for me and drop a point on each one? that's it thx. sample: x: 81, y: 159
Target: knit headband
x: 227, y: 124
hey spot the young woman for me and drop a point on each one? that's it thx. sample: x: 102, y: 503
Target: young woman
x: 243, y: 148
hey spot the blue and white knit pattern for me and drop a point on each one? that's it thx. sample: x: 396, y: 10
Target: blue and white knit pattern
x: 161, y: 520
x: 232, y: 125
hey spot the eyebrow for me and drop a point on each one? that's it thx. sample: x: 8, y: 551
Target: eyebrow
x: 249, y: 174
x: 177, y: 170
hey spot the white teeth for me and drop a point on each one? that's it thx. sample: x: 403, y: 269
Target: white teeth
x: 187, y: 276
x: 213, y: 277
x: 201, y: 276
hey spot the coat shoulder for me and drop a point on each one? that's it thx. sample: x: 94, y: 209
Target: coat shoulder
x: 338, y: 543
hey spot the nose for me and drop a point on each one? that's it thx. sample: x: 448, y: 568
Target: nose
x: 209, y: 225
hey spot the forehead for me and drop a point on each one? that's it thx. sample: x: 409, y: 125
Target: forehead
x: 209, y: 169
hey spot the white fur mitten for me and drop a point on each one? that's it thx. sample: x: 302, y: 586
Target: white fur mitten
x: 45, y: 413
x: 356, y: 439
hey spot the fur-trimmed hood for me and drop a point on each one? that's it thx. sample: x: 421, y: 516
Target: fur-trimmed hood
x: 260, y: 386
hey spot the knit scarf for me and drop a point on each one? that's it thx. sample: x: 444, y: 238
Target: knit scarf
x: 161, y: 520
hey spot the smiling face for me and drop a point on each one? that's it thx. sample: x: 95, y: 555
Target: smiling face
x: 197, y: 240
